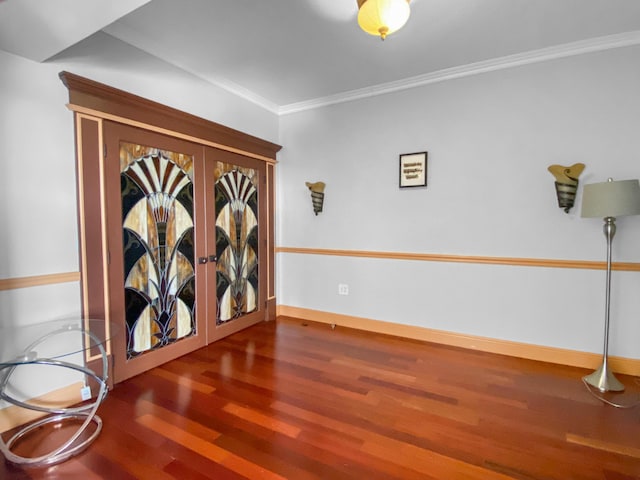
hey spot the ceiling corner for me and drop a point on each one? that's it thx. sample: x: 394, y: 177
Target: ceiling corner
x: 38, y: 30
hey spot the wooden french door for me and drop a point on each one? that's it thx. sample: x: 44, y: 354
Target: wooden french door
x: 238, y: 186
x: 185, y: 240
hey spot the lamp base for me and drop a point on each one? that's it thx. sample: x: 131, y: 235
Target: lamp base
x: 604, y: 380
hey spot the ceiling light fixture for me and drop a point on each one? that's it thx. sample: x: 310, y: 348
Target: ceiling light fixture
x: 382, y: 17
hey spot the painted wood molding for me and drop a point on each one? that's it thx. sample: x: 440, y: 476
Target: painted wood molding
x: 94, y: 98
x: 434, y: 257
x: 580, y: 47
x: 37, y: 280
x: 527, y: 351
x: 164, y: 131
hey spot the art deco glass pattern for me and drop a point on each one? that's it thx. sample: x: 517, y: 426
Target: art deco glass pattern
x: 236, y: 197
x: 158, y: 241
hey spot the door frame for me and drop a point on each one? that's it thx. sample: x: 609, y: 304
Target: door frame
x: 92, y: 103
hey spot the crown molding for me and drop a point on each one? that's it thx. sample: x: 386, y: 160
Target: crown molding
x: 598, y: 44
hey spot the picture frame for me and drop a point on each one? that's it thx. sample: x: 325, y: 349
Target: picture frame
x: 413, y: 170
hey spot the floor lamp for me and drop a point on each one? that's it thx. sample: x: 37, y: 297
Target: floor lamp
x: 609, y: 200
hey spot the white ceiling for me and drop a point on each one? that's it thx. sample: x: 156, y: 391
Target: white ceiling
x: 287, y: 53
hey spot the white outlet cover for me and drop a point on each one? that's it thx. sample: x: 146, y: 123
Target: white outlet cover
x: 85, y: 393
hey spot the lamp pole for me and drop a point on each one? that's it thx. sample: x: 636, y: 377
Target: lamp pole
x: 602, y: 378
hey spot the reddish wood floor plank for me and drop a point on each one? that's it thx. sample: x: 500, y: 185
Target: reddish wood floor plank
x: 297, y: 400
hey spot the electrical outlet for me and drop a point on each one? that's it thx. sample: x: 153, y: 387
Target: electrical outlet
x: 85, y: 392
x: 343, y: 289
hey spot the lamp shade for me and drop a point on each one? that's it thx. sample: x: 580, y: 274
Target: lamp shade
x: 611, y: 199
x: 382, y: 17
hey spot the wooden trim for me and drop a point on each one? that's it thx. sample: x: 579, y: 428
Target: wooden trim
x: 271, y: 202
x: 271, y: 308
x: 104, y: 235
x: 629, y: 366
x: 164, y: 131
x: 92, y: 240
x: 37, y: 280
x: 607, y: 446
x: 95, y: 364
x: 14, y: 416
x: 434, y: 257
x: 98, y: 97
x: 78, y: 119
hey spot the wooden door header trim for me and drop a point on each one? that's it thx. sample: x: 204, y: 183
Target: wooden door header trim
x: 105, y: 101
x: 171, y: 133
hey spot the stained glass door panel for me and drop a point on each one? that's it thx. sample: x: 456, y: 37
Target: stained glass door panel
x: 237, y: 241
x: 236, y: 225
x: 158, y: 244
x: 156, y: 233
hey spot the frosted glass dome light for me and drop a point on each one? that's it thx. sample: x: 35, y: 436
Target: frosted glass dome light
x: 382, y: 17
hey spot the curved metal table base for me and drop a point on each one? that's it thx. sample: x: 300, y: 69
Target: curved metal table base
x: 58, y: 455
x: 57, y: 416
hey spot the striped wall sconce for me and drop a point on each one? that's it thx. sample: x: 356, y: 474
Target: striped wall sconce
x: 566, y: 183
x: 317, y: 195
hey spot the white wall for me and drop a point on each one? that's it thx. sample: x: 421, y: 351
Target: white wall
x: 490, y: 139
x: 38, y: 214
x: 106, y: 59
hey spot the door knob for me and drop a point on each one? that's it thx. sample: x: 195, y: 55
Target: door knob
x: 202, y: 260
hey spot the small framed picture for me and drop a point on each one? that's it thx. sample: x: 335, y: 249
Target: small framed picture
x: 413, y: 170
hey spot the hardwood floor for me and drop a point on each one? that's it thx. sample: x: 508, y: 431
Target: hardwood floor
x: 300, y: 401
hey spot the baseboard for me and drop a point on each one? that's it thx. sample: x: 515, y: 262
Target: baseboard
x: 628, y: 366
x: 13, y: 416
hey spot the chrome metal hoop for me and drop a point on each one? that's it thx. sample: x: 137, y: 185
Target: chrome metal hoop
x: 85, y: 412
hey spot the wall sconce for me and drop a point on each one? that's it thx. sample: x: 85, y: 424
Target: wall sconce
x: 566, y: 183
x: 317, y: 195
